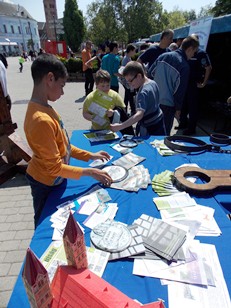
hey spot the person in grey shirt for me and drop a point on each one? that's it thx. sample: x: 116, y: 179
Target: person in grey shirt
x: 129, y: 95
x: 148, y: 116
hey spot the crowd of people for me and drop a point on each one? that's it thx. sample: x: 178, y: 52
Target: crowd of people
x: 31, y: 56
x: 177, y: 71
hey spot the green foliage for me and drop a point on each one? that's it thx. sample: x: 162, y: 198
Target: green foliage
x: 222, y: 7
x: 73, y: 24
x: 129, y: 20
x: 205, y: 11
x: 62, y: 59
x: 123, y: 20
x: 189, y: 16
x: 141, y: 18
x: 175, y: 19
x: 73, y: 65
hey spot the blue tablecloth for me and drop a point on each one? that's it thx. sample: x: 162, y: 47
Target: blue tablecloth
x: 131, y: 206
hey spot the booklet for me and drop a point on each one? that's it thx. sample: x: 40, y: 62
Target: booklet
x: 55, y: 256
x: 128, y: 160
x: 101, y: 136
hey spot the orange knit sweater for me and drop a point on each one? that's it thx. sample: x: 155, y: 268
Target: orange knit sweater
x: 50, y: 145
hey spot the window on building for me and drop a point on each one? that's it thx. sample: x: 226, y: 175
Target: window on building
x: 5, y: 29
x: 19, y: 30
x: 12, y: 29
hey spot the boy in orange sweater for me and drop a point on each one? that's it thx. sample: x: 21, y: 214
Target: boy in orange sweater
x: 47, y: 137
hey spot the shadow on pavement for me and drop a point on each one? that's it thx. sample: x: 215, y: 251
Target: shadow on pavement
x: 80, y: 100
x: 16, y: 181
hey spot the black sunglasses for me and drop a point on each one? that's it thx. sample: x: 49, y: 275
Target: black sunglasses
x: 132, y: 79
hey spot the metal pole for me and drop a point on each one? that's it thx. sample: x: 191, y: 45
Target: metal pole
x: 32, y: 42
x: 55, y: 28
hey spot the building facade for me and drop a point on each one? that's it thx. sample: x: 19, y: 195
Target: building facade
x: 51, y: 16
x: 18, y: 30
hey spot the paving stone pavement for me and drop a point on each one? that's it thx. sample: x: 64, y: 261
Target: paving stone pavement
x: 16, y: 210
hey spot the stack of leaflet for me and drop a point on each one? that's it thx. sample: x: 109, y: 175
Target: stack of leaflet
x: 199, y: 213
x: 103, y: 212
x: 98, y: 163
x: 101, y: 136
x: 197, y: 282
x: 122, y: 150
x: 88, y: 204
x: 128, y: 161
x: 162, y: 183
x: 161, y: 238
x: 138, y: 178
x: 177, y: 200
x: 60, y: 217
x: 162, y: 149
x: 55, y: 256
x: 95, y: 204
x: 164, y: 239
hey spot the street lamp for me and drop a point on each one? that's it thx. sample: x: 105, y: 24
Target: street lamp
x: 32, y: 42
x: 55, y: 28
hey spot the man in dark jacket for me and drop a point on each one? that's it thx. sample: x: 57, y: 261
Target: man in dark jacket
x: 171, y: 73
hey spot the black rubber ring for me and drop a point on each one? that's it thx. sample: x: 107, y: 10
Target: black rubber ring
x: 220, y: 139
x: 199, y: 145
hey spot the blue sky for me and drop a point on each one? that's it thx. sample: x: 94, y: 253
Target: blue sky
x: 35, y: 8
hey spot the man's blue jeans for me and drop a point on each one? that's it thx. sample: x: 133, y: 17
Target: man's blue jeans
x: 168, y: 113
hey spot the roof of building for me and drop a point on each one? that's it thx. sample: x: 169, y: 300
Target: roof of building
x: 72, y: 230
x: 14, y: 10
x: 32, y: 268
x: 82, y: 288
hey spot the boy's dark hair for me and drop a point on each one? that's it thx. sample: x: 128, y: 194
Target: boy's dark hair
x: 130, y: 47
x: 133, y: 68
x: 102, y: 47
x: 3, y: 59
x: 46, y: 63
x: 112, y: 45
x: 102, y: 76
x: 166, y: 32
x: 144, y: 46
x: 189, y: 41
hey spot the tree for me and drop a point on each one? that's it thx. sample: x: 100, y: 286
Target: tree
x: 189, y: 15
x: 103, y: 22
x: 176, y: 19
x: 141, y: 18
x: 222, y: 7
x: 73, y: 24
x: 205, y: 11
x: 123, y: 20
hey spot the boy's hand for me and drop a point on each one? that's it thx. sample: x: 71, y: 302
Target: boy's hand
x: 102, y: 177
x: 109, y: 113
x: 99, y: 175
x: 100, y: 155
x: 115, y: 127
